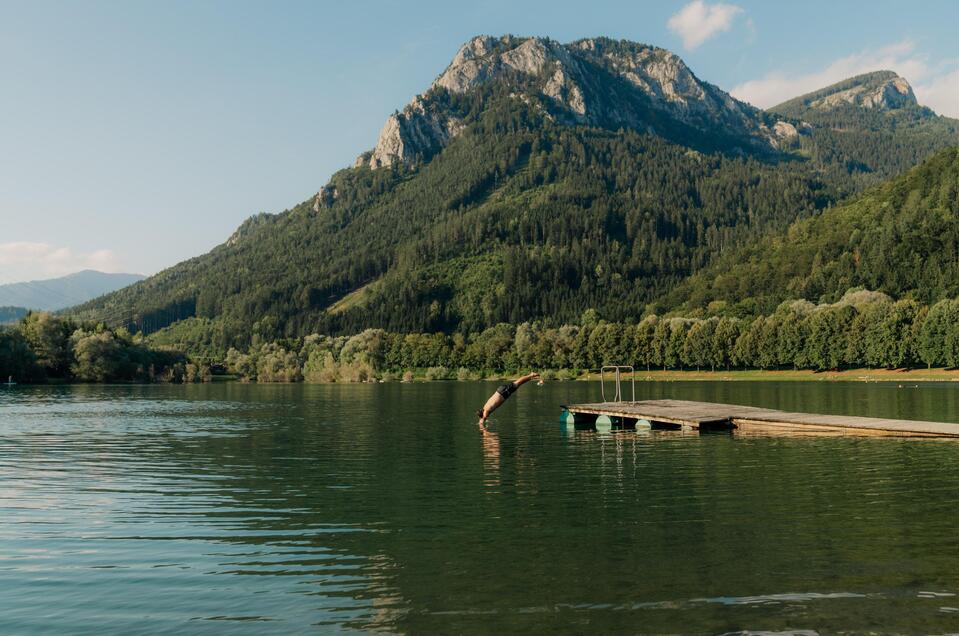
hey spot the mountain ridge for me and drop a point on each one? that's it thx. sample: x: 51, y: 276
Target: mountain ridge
x: 564, y: 78
x: 526, y: 212
x: 53, y: 294
x: 882, y: 90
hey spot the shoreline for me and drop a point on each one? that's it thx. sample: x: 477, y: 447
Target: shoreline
x: 753, y: 375
x: 790, y: 375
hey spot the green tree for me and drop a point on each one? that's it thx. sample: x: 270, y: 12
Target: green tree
x: 367, y: 348
x: 17, y: 360
x: 49, y: 338
x: 241, y: 364
x: 660, y: 343
x: 563, y: 346
x: 525, y: 344
x: 276, y: 364
x: 935, y: 331
x: 828, y: 336
x: 888, y: 335
x: 643, y: 341
x: 725, y: 338
x: 676, y: 341
x: 793, y: 334
x: 746, y: 349
x: 100, y: 357
x: 767, y: 342
x: 580, y: 354
x: 700, y: 339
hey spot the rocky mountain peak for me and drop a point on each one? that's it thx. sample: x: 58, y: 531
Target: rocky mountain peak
x: 596, y: 81
x: 485, y: 57
x: 879, y: 90
x: 883, y: 90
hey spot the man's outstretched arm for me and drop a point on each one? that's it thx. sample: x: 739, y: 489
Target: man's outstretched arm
x: 526, y: 378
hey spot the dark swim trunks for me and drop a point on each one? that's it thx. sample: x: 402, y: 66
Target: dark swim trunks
x: 506, y: 390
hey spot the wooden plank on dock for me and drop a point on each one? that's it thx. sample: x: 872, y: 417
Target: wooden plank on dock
x: 751, y: 418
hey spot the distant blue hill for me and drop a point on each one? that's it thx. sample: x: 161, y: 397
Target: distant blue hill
x: 58, y: 293
x: 11, y: 314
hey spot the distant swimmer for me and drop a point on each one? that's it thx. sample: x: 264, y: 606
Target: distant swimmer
x: 502, y: 392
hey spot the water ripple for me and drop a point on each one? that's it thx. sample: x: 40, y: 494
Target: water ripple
x: 383, y: 508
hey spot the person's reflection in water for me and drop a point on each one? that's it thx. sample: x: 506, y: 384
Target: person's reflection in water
x: 491, y: 456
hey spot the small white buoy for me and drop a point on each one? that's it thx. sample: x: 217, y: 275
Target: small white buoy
x: 604, y: 424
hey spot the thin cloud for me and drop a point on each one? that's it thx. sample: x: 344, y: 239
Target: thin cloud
x: 935, y: 86
x: 24, y: 260
x: 940, y: 93
x: 697, y: 21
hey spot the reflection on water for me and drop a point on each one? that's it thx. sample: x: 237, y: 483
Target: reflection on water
x: 293, y: 509
x: 491, y: 452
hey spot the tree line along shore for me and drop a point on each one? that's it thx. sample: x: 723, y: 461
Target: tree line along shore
x: 864, y: 329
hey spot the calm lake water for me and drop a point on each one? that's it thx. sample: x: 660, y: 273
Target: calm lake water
x: 248, y: 509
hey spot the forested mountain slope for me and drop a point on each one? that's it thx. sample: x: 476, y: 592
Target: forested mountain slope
x: 516, y: 218
x: 532, y: 180
x: 901, y: 238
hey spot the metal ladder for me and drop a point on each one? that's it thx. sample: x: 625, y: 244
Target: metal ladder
x: 617, y: 371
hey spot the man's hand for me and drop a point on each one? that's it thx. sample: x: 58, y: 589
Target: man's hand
x: 526, y: 378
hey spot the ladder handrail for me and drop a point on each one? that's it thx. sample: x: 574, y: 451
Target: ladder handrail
x: 617, y: 369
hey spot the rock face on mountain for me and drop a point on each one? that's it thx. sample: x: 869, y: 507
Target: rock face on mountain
x: 880, y: 90
x: 421, y: 129
x: 893, y: 93
x: 598, y: 82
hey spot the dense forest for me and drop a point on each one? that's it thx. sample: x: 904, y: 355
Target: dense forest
x: 900, y: 238
x: 861, y: 329
x: 506, y: 224
x: 43, y: 347
x: 520, y: 218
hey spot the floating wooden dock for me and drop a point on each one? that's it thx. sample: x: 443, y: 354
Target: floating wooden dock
x: 701, y: 416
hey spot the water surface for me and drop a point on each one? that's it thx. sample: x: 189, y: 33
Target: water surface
x: 333, y: 509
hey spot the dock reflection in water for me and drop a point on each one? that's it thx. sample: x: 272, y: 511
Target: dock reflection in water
x: 294, y: 509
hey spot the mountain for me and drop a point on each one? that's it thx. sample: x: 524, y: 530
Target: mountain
x: 879, y: 90
x: 900, y: 238
x: 58, y: 293
x: 870, y: 127
x: 531, y: 180
x: 12, y: 314
x: 593, y: 82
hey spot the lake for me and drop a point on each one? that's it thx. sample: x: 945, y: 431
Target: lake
x: 285, y: 509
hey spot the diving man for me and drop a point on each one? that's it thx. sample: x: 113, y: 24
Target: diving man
x: 502, y: 393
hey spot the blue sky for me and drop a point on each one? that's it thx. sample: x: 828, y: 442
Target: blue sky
x: 135, y: 134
